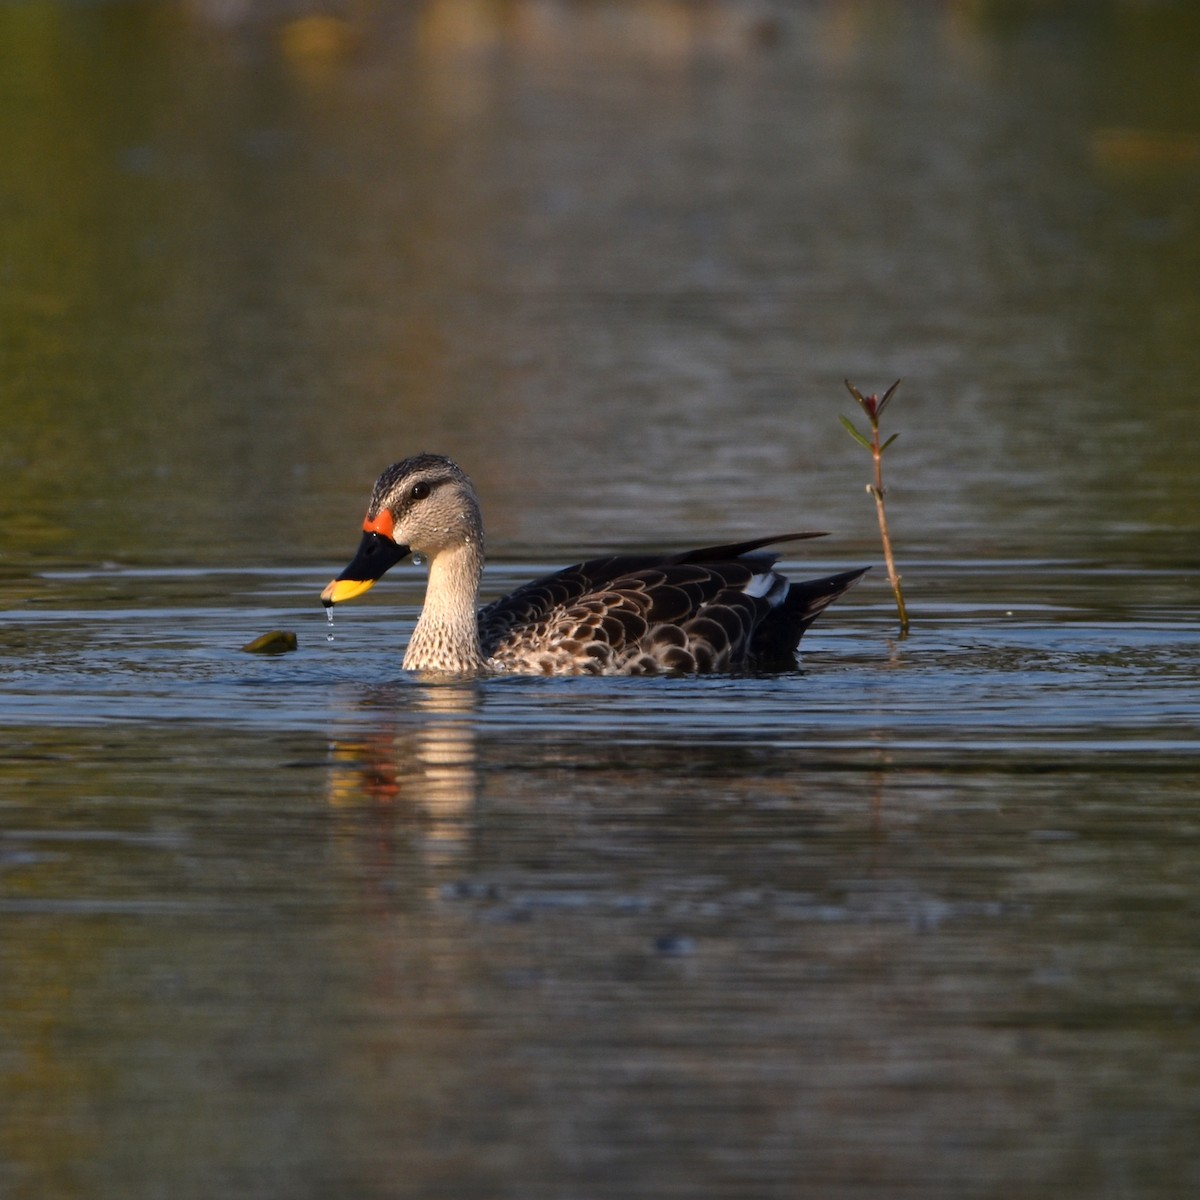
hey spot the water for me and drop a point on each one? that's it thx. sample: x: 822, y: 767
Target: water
x: 922, y: 911
x: 916, y: 919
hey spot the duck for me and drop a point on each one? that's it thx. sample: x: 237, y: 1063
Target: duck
x: 716, y: 609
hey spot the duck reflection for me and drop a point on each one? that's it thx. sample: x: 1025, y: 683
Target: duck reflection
x: 417, y: 768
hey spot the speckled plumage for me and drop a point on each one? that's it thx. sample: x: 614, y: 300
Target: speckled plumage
x: 722, y: 608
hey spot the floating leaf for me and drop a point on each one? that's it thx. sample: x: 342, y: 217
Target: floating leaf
x: 278, y: 641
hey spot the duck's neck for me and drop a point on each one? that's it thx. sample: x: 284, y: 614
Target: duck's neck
x: 446, y: 638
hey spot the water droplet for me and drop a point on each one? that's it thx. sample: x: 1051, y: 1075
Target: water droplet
x: 418, y: 559
x: 329, y: 618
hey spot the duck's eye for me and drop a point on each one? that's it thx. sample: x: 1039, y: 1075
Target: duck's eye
x: 419, y: 491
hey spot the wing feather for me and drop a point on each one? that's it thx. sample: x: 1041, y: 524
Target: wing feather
x: 707, y: 609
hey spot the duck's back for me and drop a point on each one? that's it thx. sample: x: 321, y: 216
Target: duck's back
x: 721, y: 608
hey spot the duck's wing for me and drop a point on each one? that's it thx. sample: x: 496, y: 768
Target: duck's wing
x: 696, y: 611
x: 739, y: 549
x: 530, y: 605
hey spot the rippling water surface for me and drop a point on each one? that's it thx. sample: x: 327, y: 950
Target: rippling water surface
x: 916, y: 919
x: 921, y: 912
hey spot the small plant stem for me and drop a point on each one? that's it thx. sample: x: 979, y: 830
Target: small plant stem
x: 888, y: 557
x: 873, y: 407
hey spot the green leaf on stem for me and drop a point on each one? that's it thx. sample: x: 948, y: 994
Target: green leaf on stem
x: 858, y: 437
x: 888, y: 442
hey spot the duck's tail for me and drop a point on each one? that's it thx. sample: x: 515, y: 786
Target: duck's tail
x: 776, y: 639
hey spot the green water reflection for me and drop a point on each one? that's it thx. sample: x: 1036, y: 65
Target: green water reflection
x: 242, y: 267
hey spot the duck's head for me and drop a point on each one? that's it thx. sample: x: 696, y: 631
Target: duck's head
x: 422, y: 506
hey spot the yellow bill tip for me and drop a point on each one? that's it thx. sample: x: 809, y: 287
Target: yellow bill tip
x: 340, y: 590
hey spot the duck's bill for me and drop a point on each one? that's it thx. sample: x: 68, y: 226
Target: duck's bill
x: 376, y: 555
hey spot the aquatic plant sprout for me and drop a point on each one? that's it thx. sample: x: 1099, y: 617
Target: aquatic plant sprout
x: 873, y: 407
